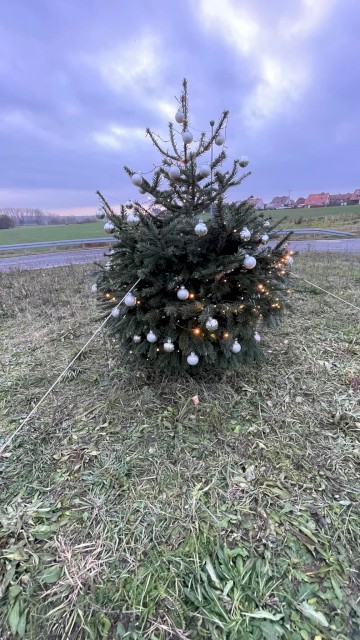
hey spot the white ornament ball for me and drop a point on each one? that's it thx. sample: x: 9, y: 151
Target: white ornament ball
x: 192, y: 359
x: 257, y: 336
x: 289, y: 260
x: 169, y: 346
x: 137, y: 339
x: 174, y: 172
x: 267, y: 223
x: 205, y: 171
x: 236, y: 347
x: 100, y: 214
x: 94, y: 288
x: 245, y: 234
x: 109, y: 227
x: 249, y: 262
x: 130, y: 300
x: 244, y: 161
x: 265, y: 238
x: 182, y: 293
x: 129, y: 204
x: 220, y: 139
x: 211, y: 324
x: 187, y: 136
x: 151, y: 337
x: 136, y: 179
x: 133, y: 219
x: 115, y: 312
x: 179, y: 116
x: 201, y: 228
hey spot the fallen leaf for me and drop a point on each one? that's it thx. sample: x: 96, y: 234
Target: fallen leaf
x: 315, y: 616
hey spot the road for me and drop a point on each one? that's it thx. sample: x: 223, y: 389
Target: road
x: 84, y: 256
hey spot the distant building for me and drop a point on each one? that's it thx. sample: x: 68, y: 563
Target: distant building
x: 317, y: 200
x: 355, y: 197
x: 257, y: 203
x: 281, y: 202
x: 300, y: 202
x: 340, y: 199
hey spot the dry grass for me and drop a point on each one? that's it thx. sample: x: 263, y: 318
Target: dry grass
x: 126, y: 512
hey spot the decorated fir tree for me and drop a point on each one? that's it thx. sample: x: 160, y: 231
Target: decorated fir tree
x: 207, y: 277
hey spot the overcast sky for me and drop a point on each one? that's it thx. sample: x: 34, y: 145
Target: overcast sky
x: 82, y: 79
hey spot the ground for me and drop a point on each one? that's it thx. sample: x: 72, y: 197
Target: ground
x: 127, y: 512
x: 341, y: 218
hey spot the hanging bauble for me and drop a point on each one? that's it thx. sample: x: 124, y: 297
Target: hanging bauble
x: 205, y: 171
x: 220, y: 139
x: 211, y: 324
x: 133, y: 219
x: 174, y: 172
x: 130, y: 300
x: 201, y: 228
x: 100, y: 214
x: 257, y: 336
x: 265, y: 238
x: 182, y: 293
x: 236, y: 347
x: 129, y: 204
x: 151, y: 337
x: 115, y: 312
x: 245, y: 234
x: 169, y: 346
x: 289, y: 260
x: 109, y: 227
x: 266, y: 223
x: 136, y: 179
x: 94, y: 288
x: 187, y: 136
x: 192, y: 359
x: 244, y: 161
x: 249, y: 262
x: 179, y: 116
x: 137, y: 339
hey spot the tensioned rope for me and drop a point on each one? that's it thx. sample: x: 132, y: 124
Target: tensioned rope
x: 325, y: 291
x: 7, y: 442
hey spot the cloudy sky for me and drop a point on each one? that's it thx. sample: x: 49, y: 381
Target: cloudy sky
x: 80, y: 80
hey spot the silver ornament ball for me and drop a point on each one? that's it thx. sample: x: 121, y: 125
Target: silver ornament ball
x: 137, y: 339
x: 244, y: 161
x: 130, y: 300
x: 137, y: 179
x: 220, y: 139
x: 187, y: 136
x: 265, y: 238
x: 109, y: 227
x: 179, y: 116
x: 151, y: 337
x: 100, y: 214
x: 245, y: 234
x: 129, y: 204
x: 169, y: 346
x: 249, y: 262
x: 236, y: 347
x: 289, y: 260
x: 257, y: 336
x: 133, y: 219
x: 192, y: 359
x: 211, y: 324
x: 201, y: 228
x: 94, y: 288
x: 182, y: 293
x: 174, y: 172
x: 266, y: 223
x: 115, y: 312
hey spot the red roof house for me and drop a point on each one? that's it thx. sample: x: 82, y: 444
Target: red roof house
x: 317, y: 200
x: 355, y: 198
x: 257, y: 203
x: 300, y: 202
x: 340, y: 199
x: 280, y: 202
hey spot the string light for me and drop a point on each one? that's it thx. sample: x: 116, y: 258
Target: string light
x: 226, y: 335
x: 197, y: 331
x: 192, y: 295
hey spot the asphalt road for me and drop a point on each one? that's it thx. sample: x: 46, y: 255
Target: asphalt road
x: 84, y: 256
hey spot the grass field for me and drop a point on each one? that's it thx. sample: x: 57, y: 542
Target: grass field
x: 126, y: 512
x: 52, y: 232
x: 342, y: 218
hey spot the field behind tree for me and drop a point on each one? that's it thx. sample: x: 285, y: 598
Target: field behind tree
x: 128, y: 513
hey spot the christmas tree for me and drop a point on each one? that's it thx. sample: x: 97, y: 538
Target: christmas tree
x: 206, y: 276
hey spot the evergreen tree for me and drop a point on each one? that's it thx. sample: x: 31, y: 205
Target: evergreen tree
x: 204, y: 286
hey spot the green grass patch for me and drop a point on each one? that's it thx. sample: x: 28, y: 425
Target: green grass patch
x: 52, y: 232
x: 126, y: 512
